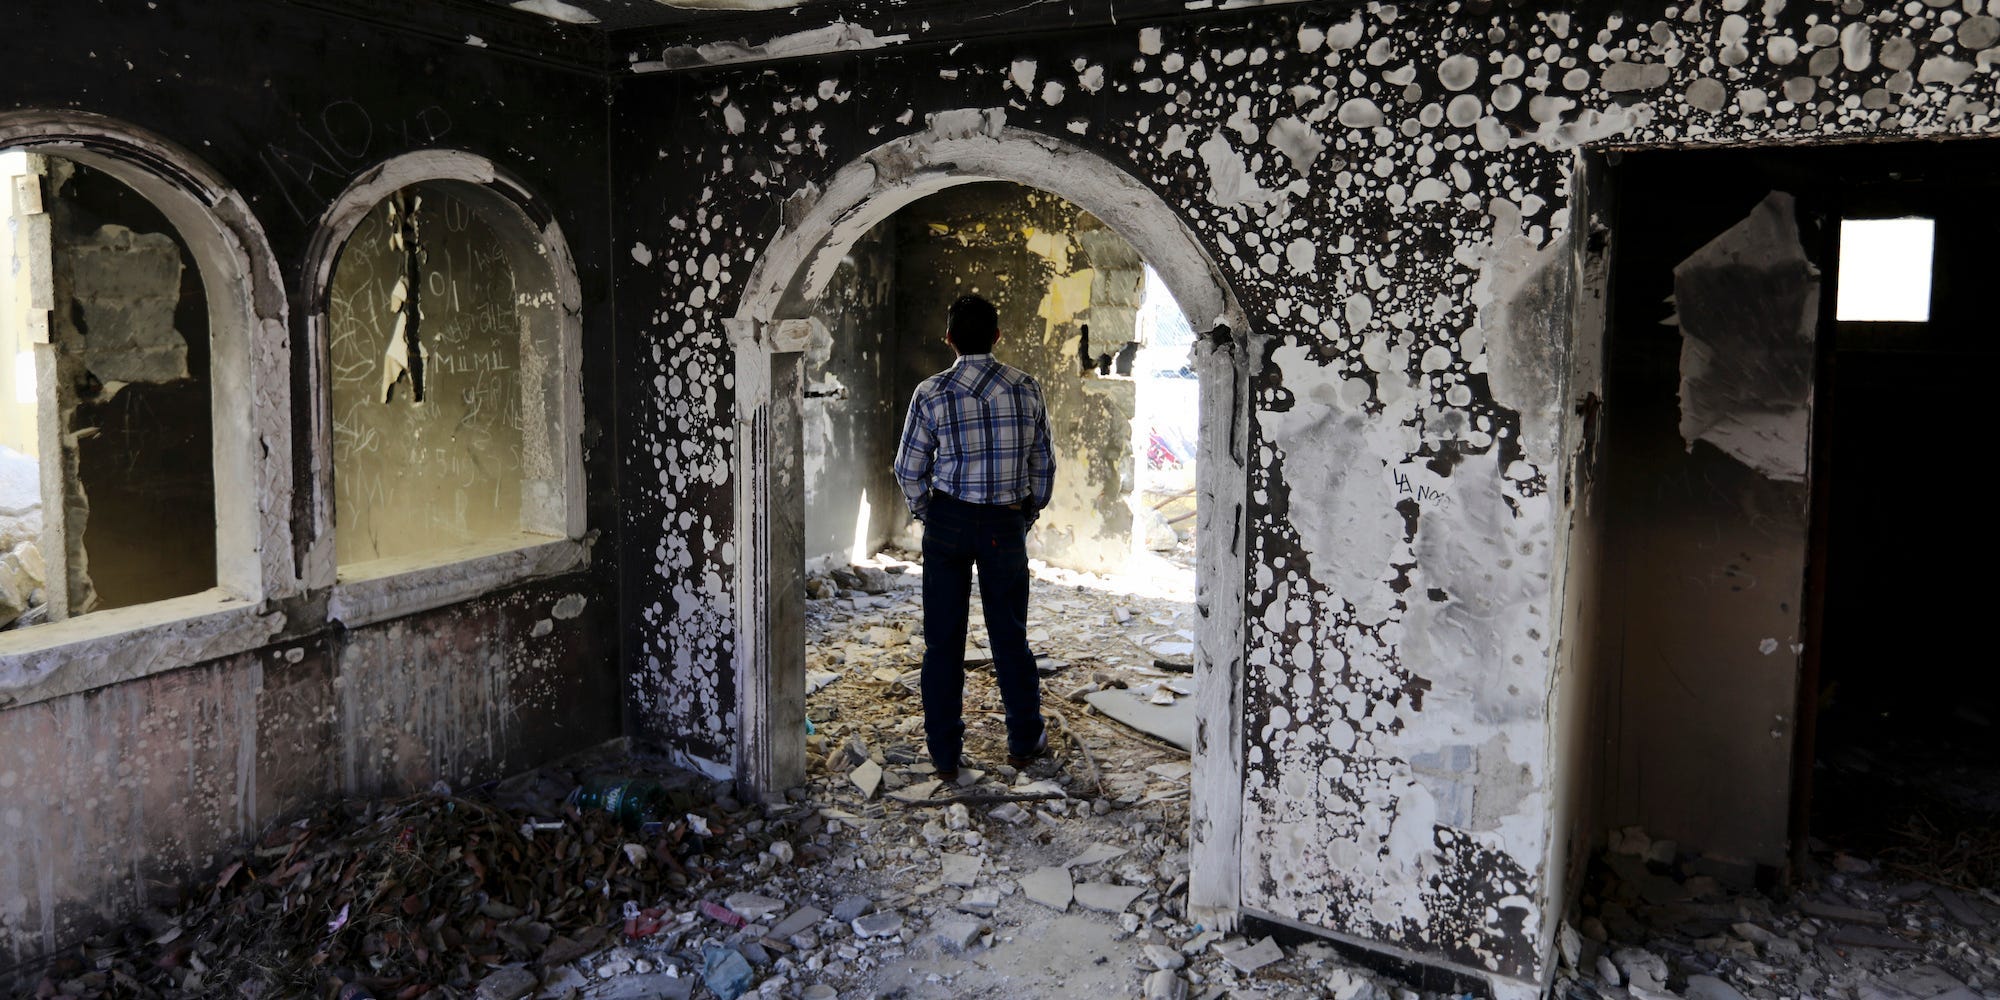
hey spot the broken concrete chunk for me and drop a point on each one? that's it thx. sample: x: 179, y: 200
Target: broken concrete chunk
x: 956, y: 934
x: 1049, y: 886
x: 916, y: 793
x: 803, y: 918
x: 752, y: 906
x: 867, y: 777
x: 1010, y: 813
x: 846, y: 908
x: 1163, y: 957
x: 884, y: 923
x: 1164, y: 985
x: 1106, y: 897
x: 1095, y: 854
x: 1255, y: 957
x: 1643, y: 969
x: 980, y: 900
x: 726, y: 971
x: 961, y: 870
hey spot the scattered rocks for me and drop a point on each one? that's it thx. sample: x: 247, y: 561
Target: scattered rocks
x: 1662, y: 925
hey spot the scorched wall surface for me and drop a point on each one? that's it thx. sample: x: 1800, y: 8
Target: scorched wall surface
x: 1386, y: 187
x: 114, y: 791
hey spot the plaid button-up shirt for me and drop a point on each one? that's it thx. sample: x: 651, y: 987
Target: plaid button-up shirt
x: 979, y: 432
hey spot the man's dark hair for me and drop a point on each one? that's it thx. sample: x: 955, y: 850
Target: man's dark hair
x: 974, y: 325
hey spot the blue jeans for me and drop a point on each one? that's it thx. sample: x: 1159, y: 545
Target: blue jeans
x: 957, y: 537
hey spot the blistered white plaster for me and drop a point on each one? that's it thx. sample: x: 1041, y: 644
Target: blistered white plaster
x: 556, y: 10
x: 1408, y: 429
x: 837, y: 37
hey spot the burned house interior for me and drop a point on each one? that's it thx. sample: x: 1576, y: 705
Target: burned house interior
x: 451, y: 541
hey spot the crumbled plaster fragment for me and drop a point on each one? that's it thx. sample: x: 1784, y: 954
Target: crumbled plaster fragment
x: 556, y: 9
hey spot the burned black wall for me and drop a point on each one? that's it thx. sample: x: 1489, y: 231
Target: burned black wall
x: 853, y: 413
x: 1386, y: 188
x: 289, y: 105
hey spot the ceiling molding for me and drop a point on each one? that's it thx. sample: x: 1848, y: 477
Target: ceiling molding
x: 504, y: 32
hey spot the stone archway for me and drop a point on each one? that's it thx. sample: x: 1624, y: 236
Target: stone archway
x: 769, y: 333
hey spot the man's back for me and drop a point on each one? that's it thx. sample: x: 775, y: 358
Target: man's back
x: 978, y: 431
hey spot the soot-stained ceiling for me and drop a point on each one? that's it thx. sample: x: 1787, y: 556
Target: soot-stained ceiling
x: 620, y: 33
x: 620, y: 15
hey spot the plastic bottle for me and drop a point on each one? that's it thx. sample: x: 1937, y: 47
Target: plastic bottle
x: 635, y: 803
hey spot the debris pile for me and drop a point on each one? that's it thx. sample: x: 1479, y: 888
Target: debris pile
x: 1661, y: 925
x: 418, y: 896
x: 875, y: 879
x: 22, y: 568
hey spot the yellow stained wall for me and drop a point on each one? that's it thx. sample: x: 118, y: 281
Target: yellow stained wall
x: 20, y: 198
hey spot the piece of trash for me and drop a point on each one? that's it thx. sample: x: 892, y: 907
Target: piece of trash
x: 722, y: 913
x: 642, y: 923
x: 528, y: 829
x: 726, y: 971
x: 698, y: 826
x: 333, y: 926
x: 636, y: 854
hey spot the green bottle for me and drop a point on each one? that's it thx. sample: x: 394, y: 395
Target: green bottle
x: 634, y: 803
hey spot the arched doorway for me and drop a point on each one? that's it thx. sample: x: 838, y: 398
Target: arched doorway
x: 769, y: 333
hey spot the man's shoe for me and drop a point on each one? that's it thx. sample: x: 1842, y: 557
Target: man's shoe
x: 948, y: 777
x: 1022, y: 760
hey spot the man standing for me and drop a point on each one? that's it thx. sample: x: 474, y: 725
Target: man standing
x: 976, y: 467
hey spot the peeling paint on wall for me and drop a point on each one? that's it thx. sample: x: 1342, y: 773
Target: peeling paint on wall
x: 1387, y: 188
x: 1749, y: 305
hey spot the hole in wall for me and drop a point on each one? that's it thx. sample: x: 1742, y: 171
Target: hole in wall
x: 440, y: 337
x: 107, y: 479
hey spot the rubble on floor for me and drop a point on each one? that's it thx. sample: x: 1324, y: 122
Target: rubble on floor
x: 22, y: 568
x: 1660, y: 925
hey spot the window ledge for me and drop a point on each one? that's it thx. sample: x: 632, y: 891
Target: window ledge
x: 107, y: 647
x: 382, y: 589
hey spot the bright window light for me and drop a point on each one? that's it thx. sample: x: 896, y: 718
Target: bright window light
x: 1885, y: 270
x: 24, y: 377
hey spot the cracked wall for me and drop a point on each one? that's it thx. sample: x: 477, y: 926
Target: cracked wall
x: 125, y: 402
x: 1387, y: 188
